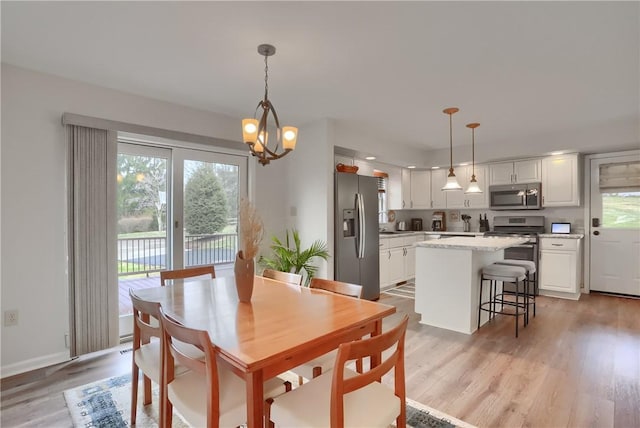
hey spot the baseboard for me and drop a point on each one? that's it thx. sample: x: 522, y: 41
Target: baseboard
x: 33, y: 364
x: 560, y: 295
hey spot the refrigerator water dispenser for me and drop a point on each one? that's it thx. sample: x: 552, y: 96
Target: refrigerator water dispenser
x: 348, y: 223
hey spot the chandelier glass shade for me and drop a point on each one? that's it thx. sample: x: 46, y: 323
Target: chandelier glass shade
x: 452, y: 181
x: 473, y: 183
x: 255, y: 132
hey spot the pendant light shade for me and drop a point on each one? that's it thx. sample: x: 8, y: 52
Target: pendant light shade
x: 452, y: 181
x: 473, y: 184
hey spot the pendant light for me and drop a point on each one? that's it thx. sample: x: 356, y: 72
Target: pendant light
x: 452, y: 181
x: 473, y: 184
x: 254, y: 131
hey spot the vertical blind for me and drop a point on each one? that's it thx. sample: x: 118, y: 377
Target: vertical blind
x: 93, y: 280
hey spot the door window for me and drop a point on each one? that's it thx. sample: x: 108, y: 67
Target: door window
x: 621, y: 210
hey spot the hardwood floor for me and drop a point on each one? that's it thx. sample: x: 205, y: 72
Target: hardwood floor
x: 577, y: 364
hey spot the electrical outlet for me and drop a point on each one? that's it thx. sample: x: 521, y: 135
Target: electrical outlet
x: 11, y: 318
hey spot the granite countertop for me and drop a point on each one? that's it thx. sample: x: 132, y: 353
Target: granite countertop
x: 454, y: 233
x: 561, y: 235
x: 399, y: 233
x: 479, y: 243
x: 425, y: 232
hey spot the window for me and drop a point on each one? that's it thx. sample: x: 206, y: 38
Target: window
x: 621, y: 210
x: 382, y: 195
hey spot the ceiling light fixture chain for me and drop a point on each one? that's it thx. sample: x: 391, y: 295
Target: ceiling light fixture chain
x: 266, y: 78
x: 255, y: 132
x: 473, y: 183
x: 452, y: 181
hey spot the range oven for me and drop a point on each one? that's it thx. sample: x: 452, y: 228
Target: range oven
x: 515, y: 197
x: 522, y: 227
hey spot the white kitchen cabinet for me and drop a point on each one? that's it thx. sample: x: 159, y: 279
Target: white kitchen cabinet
x: 438, y: 196
x: 406, y: 188
x: 397, y: 259
x: 459, y: 199
x: 559, y: 265
x: 410, y: 256
x: 420, y: 189
x: 396, y: 265
x: 524, y: 171
x: 384, y: 268
x: 394, y: 187
x: 560, y: 181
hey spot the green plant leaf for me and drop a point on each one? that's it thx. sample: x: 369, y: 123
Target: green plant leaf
x: 287, y: 259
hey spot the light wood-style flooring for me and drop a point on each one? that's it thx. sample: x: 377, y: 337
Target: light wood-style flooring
x: 577, y: 364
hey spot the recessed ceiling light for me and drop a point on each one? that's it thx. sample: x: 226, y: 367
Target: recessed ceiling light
x: 435, y: 167
x: 556, y: 153
x: 464, y: 164
x: 370, y: 157
x: 411, y: 166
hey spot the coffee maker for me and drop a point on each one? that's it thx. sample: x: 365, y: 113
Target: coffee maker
x: 438, y: 222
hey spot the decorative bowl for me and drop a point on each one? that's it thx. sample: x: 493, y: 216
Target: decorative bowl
x: 347, y: 168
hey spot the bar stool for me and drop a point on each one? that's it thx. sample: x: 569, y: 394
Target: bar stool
x: 504, y: 273
x: 530, y: 267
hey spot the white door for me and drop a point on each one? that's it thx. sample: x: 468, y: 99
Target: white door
x: 615, y: 224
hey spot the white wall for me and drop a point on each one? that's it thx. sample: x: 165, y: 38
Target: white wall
x: 364, y: 144
x: 311, y: 189
x: 33, y: 197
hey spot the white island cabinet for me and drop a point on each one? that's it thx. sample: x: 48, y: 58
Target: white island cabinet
x: 448, y: 279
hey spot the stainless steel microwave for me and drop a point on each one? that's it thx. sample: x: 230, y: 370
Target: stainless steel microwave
x: 515, y: 197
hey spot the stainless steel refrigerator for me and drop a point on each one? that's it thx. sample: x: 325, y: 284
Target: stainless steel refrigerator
x: 357, y: 254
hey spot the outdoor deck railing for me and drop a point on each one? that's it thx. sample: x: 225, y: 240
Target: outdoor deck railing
x: 146, y: 255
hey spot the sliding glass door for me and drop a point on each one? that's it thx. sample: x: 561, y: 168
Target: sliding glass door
x: 176, y: 208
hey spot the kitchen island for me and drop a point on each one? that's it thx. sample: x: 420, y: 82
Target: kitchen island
x: 448, y: 279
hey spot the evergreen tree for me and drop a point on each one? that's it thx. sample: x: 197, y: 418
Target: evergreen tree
x: 205, y: 202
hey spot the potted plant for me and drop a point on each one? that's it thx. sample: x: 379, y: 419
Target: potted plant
x: 293, y: 259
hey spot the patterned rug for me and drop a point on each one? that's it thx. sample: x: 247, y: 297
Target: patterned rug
x: 106, y: 404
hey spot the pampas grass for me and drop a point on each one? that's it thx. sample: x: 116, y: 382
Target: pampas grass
x: 251, y: 229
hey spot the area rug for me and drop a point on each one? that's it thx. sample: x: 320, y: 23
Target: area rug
x: 407, y: 290
x: 106, y: 404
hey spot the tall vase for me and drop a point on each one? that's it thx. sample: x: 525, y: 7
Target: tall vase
x: 244, y: 271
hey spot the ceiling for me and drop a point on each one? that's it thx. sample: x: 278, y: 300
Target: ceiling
x: 519, y: 68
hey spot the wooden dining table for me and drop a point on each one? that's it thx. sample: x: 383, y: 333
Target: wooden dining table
x: 282, y: 327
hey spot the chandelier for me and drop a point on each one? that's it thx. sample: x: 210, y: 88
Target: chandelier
x: 473, y: 183
x: 452, y: 181
x: 255, y: 132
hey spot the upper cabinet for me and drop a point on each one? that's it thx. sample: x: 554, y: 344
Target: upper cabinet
x: 459, y: 199
x: 438, y: 196
x: 420, y: 189
x: 560, y: 181
x: 525, y: 171
x: 415, y: 189
x: 395, y: 192
x: 405, y: 184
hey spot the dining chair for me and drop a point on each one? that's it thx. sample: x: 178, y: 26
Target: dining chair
x: 344, y: 398
x: 289, y: 277
x: 191, y: 272
x: 147, y: 350
x: 317, y: 366
x: 207, y: 394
